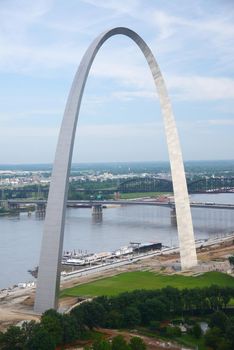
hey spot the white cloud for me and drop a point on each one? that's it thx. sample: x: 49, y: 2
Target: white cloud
x: 132, y: 95
x: 17, y: 17
x: 201, y: 87
x: 44, y: 37
x: 121, y: 6
x: 120, y: 131
x: 32, y: 59
x: 220, y: 122
x: 122, y: 141
x: 28, y: 116
x: 182, y: 87
x: 22, y: 132
x: 173, y: 34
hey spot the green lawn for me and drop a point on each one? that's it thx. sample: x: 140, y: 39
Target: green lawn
x: 146, y: 280
x: 142, y: 194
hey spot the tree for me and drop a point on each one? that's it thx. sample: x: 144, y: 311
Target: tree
x: 52, y: 324
x: 213, y: 337
x: 101, y: 345
x: 92, y: 314
x: 119, y: 343
x: 213, y: 295
x: 219, y: 320
x: 1, y: 337
x: 196, y: 331
x: 40, y: 340
x: 131, y: 317
x: 173, y: 332
x: 152, y: 310
x: 78, y: 316
x: 224, y: 345
x: 114, y: 319
x: 230, y: 332
x: 231, y: 260
x: 13, y: 338
x: 137, y: 343
x: 70, y: 330
x: 226, y: 295
x: 154, y: 326
x: 173, y: 297
x: 28, y: 329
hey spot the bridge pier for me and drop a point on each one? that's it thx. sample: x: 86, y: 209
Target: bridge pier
x: 4, y: 204
x: 40, y: 210
x: 173, y: 216
x: 117, y: 195
x: 97, y: 210
x: 13, y: 206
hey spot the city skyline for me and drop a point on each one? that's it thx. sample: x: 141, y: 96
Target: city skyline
x: 42, y: 44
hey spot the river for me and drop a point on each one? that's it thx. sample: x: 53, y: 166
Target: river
x: 20, y: 236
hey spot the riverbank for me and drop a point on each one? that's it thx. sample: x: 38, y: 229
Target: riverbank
x: 21, y: 235
x: 17, y: 304
x: 201, y: 245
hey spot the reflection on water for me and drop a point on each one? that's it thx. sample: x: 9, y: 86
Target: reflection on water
x: 20, y: 237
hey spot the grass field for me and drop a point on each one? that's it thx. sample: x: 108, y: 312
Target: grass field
x: 142, y: 194
x: 146, y: 280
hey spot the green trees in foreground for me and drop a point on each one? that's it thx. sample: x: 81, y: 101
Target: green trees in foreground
x: 53, y: 330
x: 220, y: 336
x: 144, y: 308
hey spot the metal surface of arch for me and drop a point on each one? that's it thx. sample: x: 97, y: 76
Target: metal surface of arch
x: 52, y: 242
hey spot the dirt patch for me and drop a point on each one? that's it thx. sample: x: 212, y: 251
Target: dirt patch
x: 11, y: 317
x: 151, y: 343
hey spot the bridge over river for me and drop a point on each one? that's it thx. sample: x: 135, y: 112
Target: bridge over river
x: 16, y: 203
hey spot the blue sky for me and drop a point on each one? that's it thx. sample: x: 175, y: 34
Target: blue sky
x: 42, y: 43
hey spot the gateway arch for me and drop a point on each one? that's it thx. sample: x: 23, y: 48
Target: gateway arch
x: 48, y: 281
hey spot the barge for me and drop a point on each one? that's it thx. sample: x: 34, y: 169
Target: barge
x: 134, y: 248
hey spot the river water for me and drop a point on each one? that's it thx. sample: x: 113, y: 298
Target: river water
x: 20, y: 237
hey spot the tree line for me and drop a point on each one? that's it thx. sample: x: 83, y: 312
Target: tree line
x: 144, y: 308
